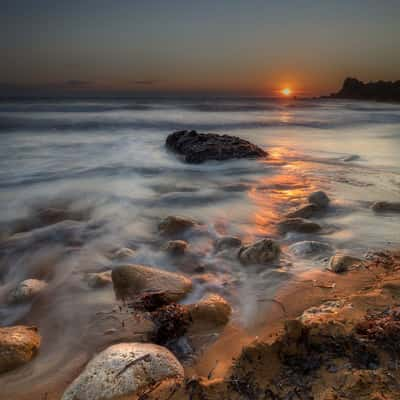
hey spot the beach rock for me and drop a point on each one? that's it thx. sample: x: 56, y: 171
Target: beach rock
x: 260, y: 252
x: 197, y: 147
x: 97, y: 280
x: 135, y: 280
x: 352, y: 157
x: 227, y: 242
x: 236, y: 187
x: 123, y: 253
x: 307, y: 211
x: 128, y: 371
x: 26, y: 290
x: 211, y: 309
x: 175, y: 247
x: 386, y: 206
x: 44, y: 216
x: 173, y: 225
x: 18, y: 345
x: 310, y: 248
x: 342, y: 262
x: 319, y: 198
x: 66, y: 233
x: 298, y: 225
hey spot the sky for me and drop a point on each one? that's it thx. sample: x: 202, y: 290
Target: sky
x: 177, y: 46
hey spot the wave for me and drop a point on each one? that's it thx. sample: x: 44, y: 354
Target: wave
x: 12, y: 124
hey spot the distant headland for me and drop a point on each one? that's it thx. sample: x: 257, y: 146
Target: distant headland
x: 379, y: 91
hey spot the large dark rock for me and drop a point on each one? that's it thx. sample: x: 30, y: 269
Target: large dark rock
x: 382, y: 90
x: 199, y: 147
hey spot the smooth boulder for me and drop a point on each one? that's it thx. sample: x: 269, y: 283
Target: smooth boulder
x: 212, y: 309
x: 299, y: 225
x: 319, y: 198
x: 26, y: 290
x: 310, y: 248
x: 260, y: 252
x: 342, y: 262
x: 97, y: 280
x: 135, y: 280
x: 227, y: 242
x: 174, y: 225
x: 386, y: 206
x: 175, y: 247
x: 306, y: 211
x: 18, y: 345
x: 128, y: 371
x: 196, y: 147
x: 123, y: 253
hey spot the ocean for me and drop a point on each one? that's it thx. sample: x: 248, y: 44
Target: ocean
x: 104, y: 161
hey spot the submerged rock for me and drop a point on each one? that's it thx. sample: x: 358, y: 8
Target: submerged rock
x: 310, y: 248
x: 40, y: 217
x: 26, y: 290
x: 98, y: 279
x: 18, y: 345
x: 351, y: 157
x: 227, y: 242
x: 123, y: 253
x: 134, y: 280
x: 199, y: 147
x: 175, y: 247
x: 319, y: 198
x: 386, y: 206
x: 173, y: 225
x: 307, y: 211
x: 128, y: 370
x: 298, y: 225
x: 260, y: 252
x: 211, y: 309
x: 342, y: 262
x: 66, y: 233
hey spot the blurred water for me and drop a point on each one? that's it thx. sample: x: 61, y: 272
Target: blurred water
x: 106, y: 160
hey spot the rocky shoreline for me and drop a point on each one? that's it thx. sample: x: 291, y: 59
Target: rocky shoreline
x: 332, y: 334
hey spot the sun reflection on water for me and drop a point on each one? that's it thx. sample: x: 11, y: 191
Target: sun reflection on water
x: 274, y: 195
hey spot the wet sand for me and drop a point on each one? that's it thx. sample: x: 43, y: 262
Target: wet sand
x: 372, y: 287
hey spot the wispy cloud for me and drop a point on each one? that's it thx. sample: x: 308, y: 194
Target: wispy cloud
x: 145, y: 82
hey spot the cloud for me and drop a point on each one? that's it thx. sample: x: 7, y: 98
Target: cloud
x: 77, y: 84
x: 145, y: 82
x: 71, y: 84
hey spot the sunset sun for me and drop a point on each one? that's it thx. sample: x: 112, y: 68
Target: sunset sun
x: 286, y: 91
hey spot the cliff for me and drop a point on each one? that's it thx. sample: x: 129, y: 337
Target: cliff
x: 381, y: 90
